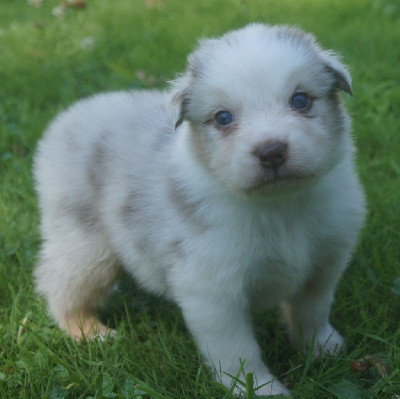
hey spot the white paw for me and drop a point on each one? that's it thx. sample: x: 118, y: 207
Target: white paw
x: 328, y: 341
x: 105, y: 335
x: 267, y: 386
x: 272, y: 388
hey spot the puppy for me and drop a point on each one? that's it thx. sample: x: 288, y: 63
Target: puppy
x: 234, y: 191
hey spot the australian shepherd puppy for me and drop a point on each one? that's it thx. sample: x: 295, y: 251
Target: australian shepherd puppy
x: 234, y: 190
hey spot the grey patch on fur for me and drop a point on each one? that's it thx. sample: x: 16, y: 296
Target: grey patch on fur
x: 134, y: 213
x: 187, y: 208
x: 340, y: 81
x: 201, y: 143
x: 96, y: 165
x: 131, y: 208
x: 336, y: 109
x: 177, y: 247
x: 85, y: 214
x: 295, y: 36
x: 302, y: 39
x: 143, y: 246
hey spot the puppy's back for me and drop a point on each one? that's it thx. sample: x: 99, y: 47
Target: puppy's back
x: 94, y: 136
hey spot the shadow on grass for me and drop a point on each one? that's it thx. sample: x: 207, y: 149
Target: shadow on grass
x: 128, y: 301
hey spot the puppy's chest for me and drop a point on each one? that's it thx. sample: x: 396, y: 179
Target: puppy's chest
x: 259, y: 251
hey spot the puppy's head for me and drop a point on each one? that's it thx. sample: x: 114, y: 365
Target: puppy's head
x: 261, y: 108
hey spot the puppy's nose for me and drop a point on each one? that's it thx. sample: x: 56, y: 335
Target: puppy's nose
x: 271, y: 154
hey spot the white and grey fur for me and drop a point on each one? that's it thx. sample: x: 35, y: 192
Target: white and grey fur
x: 147, y: 181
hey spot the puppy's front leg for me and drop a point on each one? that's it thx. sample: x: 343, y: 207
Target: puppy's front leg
x: 222, y: 329
x: 307, y: 313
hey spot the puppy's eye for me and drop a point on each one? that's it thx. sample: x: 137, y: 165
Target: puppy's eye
x: 223, y: 118
x: 301, y: 102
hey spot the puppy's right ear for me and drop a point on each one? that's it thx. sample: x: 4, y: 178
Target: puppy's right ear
x: 338, y: 70
x: 180, y: 95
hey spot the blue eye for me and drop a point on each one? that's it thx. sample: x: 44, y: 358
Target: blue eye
x: 223, y: 118
x: 300, y: 102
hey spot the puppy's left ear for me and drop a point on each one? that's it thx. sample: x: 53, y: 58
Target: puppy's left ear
x: 179, y: 98
x: 180, y: 94
x: 338, y: 70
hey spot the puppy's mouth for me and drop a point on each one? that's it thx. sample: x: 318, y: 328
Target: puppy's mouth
x: 280, y: 178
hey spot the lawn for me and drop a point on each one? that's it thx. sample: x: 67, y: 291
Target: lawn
x: 52, y: 55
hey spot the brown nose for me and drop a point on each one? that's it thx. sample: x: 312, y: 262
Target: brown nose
x: 271, y: 154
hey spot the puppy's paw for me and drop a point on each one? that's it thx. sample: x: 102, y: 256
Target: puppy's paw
x: 272, y: 389
x: 89, y: 327
x: 328, y: 342
x: 108, y: 333
x: 265, y: 384
x: 267, y: 388
x: 324, y: 341
x: 331, y: 342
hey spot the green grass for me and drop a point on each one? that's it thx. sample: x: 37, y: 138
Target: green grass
x: 43, y: 68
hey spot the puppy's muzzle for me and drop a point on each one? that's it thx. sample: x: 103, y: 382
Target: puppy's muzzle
x: 271, y: 154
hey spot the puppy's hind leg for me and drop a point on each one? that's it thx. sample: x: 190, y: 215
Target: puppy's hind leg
x: 75, y: 270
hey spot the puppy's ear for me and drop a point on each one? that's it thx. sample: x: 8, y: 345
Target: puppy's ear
x: 179, y: 98
x: 180, y: 95
x: 338, y: 70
